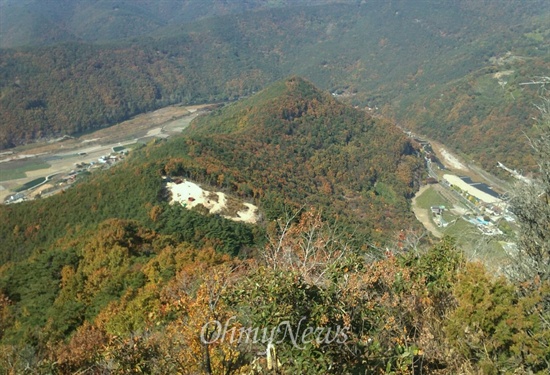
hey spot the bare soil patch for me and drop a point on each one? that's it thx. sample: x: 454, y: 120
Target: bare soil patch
x: 190, y: 195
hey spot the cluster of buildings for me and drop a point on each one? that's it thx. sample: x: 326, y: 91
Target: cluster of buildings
x: 15, y: 198
x: 487, y: 203
x: 110, y: 159
x: 62, y: 182
x: 437, y: 213
x: 486, y: 227
x: 488, y: 206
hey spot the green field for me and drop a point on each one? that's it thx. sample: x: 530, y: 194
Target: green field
x: 128, y: 147
x: 135, y: 146
x: 431, y: 198
x: 460, y: 229
x: 17, y: 169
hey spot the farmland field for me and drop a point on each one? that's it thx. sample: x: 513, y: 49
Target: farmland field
x: 18, y: 168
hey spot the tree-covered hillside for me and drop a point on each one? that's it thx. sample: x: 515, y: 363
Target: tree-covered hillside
x: 109, y: 278
x: 288, y: 145
x: 288, y: 148
x: 324, y: 153
x: 36, y: 22
x: 425, y: 64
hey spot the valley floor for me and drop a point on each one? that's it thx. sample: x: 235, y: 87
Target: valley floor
x: 67, y: 157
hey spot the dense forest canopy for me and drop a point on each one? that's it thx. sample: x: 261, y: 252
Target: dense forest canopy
x: 330, y: 154
x: 452, y: 71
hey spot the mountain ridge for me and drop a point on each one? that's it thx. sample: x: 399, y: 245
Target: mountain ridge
x: 291, y: 89
x: 316, y: 138
x: 407, y: 63
x: 33, y: 23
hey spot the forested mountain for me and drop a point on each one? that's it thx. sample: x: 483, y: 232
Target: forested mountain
x: 451, y: 71
x: 108, y: 277
x: 37, y: 22
x: 288, y: 148
x: 288, y: 145
x: 323, y: 152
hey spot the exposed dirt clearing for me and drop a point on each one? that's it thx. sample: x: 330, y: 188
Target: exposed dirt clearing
x: 249, y: 215
x: 40, y: 189
x: 504, y: 73
x: 190, y: 195
x: 452, y: 160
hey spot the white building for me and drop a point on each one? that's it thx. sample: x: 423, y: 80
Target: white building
x: 472, y: 190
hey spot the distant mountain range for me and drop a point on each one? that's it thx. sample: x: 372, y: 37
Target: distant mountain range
x: 37, y: 22
x: 451, y: 71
